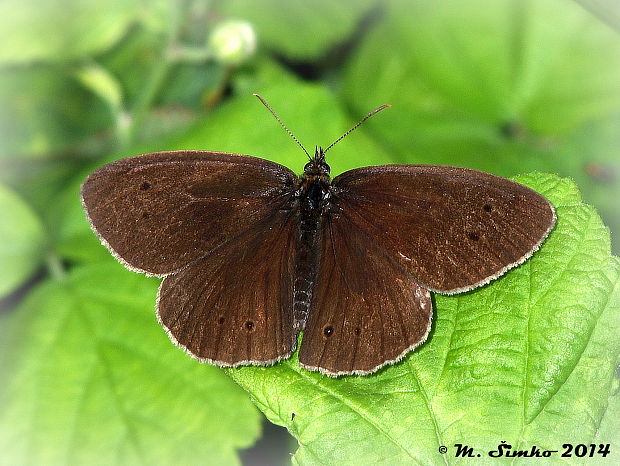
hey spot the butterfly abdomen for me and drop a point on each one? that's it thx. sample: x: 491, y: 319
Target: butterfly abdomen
x: 312, y: 197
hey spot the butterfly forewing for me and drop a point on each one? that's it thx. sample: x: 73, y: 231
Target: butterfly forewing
x: 450, y: 228
x: 366, y: 310
x: 234, y: 306
x: 160, y: 212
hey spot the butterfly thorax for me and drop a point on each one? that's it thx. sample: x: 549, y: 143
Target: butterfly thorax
x: 314, y: 187
x: 313, y: 194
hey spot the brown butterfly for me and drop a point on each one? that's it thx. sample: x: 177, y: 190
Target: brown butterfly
x: 252, y: 253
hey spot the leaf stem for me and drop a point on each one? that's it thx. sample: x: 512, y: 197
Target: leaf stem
x: 55, y: 267
x: 157, y: 77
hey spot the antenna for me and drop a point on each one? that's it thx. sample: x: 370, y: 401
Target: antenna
x: 376, y: 110
x: 282, y: 124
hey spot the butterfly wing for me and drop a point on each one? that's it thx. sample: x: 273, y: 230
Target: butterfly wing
x: 392, y: 233
x: 365, y: 310
x: 222, y: 229
x: 234, y: 306
x: 452, y: 229
x: 159, y: 212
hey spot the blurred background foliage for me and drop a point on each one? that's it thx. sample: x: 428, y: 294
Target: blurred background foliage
x: 506, y: 86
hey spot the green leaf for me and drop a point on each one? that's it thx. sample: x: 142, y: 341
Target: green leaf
x: 161, y: 91
x: 101, y: 83
x: 90, y: 377
x: 22, y: 241
x: 46, y: 111
x: 487, y: 84
x: 46, y: 30
x: 590, y: 157
x: 302, y: 30
x: 606, y: 10
x: 37, y: 180
x: 529, y: 359
x: 241, y: 126
x: 609, y: 430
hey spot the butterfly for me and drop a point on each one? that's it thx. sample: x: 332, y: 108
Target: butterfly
x: 252, y: 254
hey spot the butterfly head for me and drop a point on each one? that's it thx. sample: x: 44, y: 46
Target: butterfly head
x: 317, y: 166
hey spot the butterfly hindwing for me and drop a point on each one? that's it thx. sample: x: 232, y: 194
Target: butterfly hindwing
x: 365, y: 311
x: 234, y: 306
